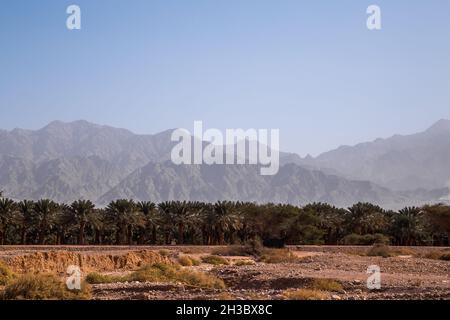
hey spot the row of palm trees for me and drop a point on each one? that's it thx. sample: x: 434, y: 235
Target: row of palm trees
x: 126, y: 222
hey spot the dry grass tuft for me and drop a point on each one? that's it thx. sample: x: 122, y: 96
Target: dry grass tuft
x: 6, y: 275
x: 240, y: 263
x: 160, y: 272
x: 42, y: 287
x: 326, y: 285
x: 305, y: 294
x: 278, y: 256
x: 187, y: 261
x: 225, y: 296
x: 164, y: 252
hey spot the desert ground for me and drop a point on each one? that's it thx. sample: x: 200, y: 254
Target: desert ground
x: 296, y: 272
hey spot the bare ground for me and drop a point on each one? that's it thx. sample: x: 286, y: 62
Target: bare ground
x: 408, y: 276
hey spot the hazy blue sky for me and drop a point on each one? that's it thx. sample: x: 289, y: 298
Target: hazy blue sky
x: 310, y: 68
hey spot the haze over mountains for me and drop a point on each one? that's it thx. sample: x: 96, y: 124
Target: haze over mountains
x: 68, y: 161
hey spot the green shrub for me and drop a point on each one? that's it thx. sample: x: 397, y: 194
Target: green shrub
x: 96, y: 278
x: 252, y: 247
x: 278, y: 256
x: 367, y: 239
x: 380, y: 251
x: 230, y: 251
x: 445, y: 256
x: 42, y: 287
x: 215, y: 260
x: 379, y: 238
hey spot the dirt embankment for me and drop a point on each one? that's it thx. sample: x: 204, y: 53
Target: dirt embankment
x: 58, y: 261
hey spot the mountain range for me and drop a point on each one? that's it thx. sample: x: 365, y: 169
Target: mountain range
x: 68, y: 161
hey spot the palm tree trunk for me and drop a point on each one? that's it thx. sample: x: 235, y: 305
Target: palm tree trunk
x: 221, y: 237
x: 23, y: 236
x: 41, y: 239
x: 97, y: 237
x: 81, y: 234
x: 167, y: 236
x: 180, y: 233
x: 130, y: 235
x: 154, y: 235
x: 118, y: 235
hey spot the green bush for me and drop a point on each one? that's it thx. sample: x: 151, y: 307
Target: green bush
x: 278, y: 256
x: 380, y: 251
x: 367, y: 239
x: 252, y: 247
x: 96, y: 278
x: 445, y: 256
x: 215, y: 260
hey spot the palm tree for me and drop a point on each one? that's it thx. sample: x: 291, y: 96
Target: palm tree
x: 148, y: 209
x: 180, y: 215
x: 100, y: 225
x: 126, y: 216
x: 45, y: 211
x: 25, y: 220
x: 225, y: 219
x: 253, y: 217
x: 81, y: 212
x: 407, y: 226
x: 206, y: 223
x: 63, y: 224
x: 438, y: 217
x: 166, y: 219
x: 7, y: 209
x: 365, y: 218
x: 331, y: 221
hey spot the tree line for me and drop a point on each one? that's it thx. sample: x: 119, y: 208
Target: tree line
x: 126, y: 222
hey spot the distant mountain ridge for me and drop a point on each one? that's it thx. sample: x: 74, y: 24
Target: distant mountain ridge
x: 68, y: 161
x: 407, y: 162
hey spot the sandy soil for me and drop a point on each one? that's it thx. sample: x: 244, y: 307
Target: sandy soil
x: 402, y: 277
